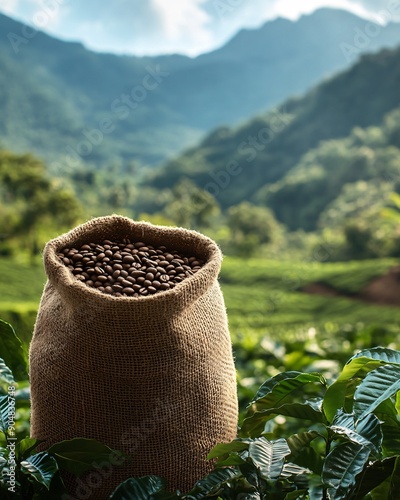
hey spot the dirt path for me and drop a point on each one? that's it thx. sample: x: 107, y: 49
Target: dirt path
x: 384, y: 290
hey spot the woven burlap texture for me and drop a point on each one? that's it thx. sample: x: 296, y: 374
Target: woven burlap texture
x: 152, y: 376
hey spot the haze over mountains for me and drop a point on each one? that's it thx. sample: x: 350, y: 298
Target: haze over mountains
x: 53, y: 93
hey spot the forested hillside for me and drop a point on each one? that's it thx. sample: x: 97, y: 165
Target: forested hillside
x: 263, y: 161
x: 148, y: 109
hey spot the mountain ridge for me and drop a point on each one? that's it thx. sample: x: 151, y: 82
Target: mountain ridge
x: 77, y: 88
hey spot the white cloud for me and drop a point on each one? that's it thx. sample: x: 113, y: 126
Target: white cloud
x: 9, y: 6
x: 165, y: 26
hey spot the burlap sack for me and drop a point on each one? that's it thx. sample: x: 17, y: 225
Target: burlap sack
x: 151, y: 376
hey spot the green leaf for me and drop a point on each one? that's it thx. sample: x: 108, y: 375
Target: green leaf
x: 79, y: 455
x: 341, y: 467
x: 379, y: 354
x: 391, y: 435
x: 41, y: 467
x: 297, y: 442
x: 390, y: 488
x: 366, y: 432
x: 4, y: 413
x: 254, y: 425
x: 298, y: 494
x: 12, y: 352
x: 378, y: 386
x: 369, y: 428
x: 25, y: 447
x: 273, y: 392
x: 372, y: 476
x: 343, y: 419
x: 232, y: 460
x: 269, y: 456
x: 344, y: 387
x: 289, y: 470
x: 213, y: 483
x: 395, y: 480
x: 141, y: 488
x: 225, y: 448
x: 5, y: 373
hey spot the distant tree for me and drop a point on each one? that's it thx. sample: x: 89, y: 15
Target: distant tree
x: 35, y: 202
x: 251, y: 226
x: 191, y: 206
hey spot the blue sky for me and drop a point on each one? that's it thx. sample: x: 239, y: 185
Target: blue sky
x: 168, y: 26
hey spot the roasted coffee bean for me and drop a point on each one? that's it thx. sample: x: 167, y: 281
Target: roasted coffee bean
x: 137, y: 274
x: 128, y: 269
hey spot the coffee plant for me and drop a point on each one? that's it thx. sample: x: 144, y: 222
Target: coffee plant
x: 301, y: 438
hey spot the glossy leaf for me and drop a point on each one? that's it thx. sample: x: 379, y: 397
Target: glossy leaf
x: 141, y: 488
x: 4, y: 413
x: 378, y: 386
x: 391, y: 436
x: 26, y: 446
x: 269, y: 456
x: 344, y: 387
x: 276, y: 390
x: 379, y: 353
x: 5, y: 373
x: 12, y: 352
x: 297, y: 442
x: 213, y: 482
x: 80, y: 455
x: 290, y: 470
x: 366, y: 432
x: 41, y: 467
x: 225, y: 448
x: 369, y: 428
x: 341, y: 467
x: 372, y: 476
x: 254, y: 425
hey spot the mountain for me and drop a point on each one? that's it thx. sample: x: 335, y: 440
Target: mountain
x: 263, y: 160
x: 73, y: 106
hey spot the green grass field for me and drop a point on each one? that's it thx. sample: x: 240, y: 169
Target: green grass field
x: 262, y: 297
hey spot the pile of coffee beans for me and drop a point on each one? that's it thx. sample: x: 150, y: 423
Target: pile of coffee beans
x: 131, y: 269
